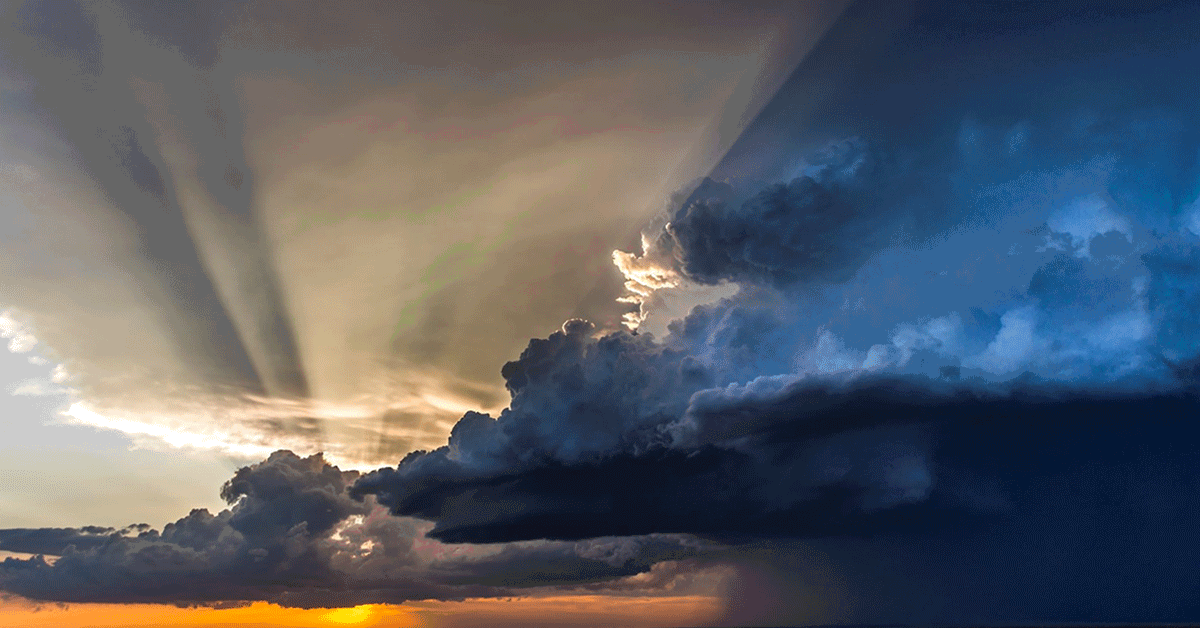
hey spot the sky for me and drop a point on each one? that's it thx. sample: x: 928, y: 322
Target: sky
x: 588, y: 314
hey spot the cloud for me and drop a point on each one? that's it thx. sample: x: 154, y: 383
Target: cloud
x: 892, y: 284
x: 1013, y: 344
x: 53, y: 541
x: 37, y: 387
x: 813, y: 227
x: 778, y: 234
x: 294, y: 536
x: 963, y: 332
x: 789, y: 456
x: 841, y: 384
x: 20, y: 339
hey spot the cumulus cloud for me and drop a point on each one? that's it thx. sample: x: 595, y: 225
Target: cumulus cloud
x: 776, y: 234
x: 20, y: 338
x: 819, y: 225
x: 931, y: 343
x: 293, y: 535
x: 787, y: 455
x: 53, y: 541
x: 890, y: 286
x: 838, y: 385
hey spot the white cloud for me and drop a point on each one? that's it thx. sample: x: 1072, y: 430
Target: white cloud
x: 20, y: 338
x: 644, y: 276
x: 1013, y: 346
x: 59, y: 375
x: 943, y: 335
x: 829, y: 355
x: 36, y: 388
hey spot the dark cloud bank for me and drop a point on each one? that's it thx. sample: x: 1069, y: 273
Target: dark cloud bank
x: 960, y: 359
x: 294, y: 536
x: 957, y: 383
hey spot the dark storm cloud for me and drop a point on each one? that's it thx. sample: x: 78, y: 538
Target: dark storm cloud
x: 1095, y: 528
x: 740, y: 422
x: 55, y: 540
x: 821, y: 225
x: 800, y: 458
x: 294, y: 536
x: 600, y: 561
x: 283, y: 508
x: 1056, y: 149
x: 952, y: 100
x: 922, y: 499
x: 991, y: 214
x: 908, y: 72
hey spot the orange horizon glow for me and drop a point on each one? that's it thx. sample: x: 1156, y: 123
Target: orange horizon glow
x: 530, y: 612
x: 23, y: 613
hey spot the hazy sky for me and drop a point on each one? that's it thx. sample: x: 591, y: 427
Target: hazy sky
x: 353, y: 215
x: 625, y: 313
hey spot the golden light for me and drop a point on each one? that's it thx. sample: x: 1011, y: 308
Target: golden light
x: 566, y: 611
x: 353, y: 615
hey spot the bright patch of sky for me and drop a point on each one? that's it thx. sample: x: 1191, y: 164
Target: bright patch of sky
x: 56, y: 474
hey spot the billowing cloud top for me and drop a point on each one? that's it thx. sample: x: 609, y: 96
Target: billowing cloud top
x: 931, y: 314
x: 294, y: 536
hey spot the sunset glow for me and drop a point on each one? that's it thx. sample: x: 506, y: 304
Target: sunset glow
x: 351, y: 616
x: 562, y: 611
x: 23, y: 614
